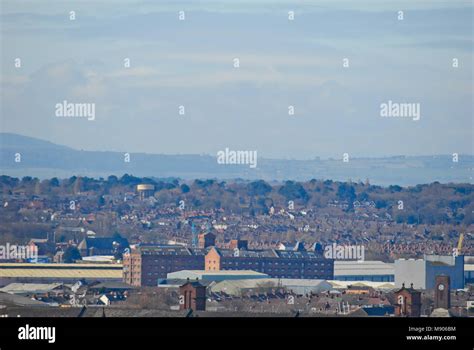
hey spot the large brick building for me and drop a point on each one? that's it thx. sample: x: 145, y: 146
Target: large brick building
x: 275, y: 263
x: 145, y: 265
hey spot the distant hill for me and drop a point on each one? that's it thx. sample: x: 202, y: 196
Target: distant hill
x: 43, y: 159
x: 8, y: 140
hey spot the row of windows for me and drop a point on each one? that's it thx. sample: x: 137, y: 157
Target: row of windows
x: 302, y: 272
x: 173, y: 267
x: 292, y: 271
x: 270, y: 266
x: 232, y: 262
x: 153, y: 273
x: 174, y: 261
x: 276, y: 263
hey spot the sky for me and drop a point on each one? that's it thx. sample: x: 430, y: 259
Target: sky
x: 283, y: 63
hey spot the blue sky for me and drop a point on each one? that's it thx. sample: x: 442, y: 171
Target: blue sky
x: 282, y: 63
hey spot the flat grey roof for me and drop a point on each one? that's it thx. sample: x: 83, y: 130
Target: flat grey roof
x: 356, y: 268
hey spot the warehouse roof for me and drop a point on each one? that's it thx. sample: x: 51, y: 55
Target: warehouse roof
x: 59, y: 266
x: 358, y: 268
x: 235, y: 287
x: 20, y: 288
x: 288, y: 282
x: 77, y: 271
x: 12, y: 299
x: 111, y: 285
x: 215, y: 275
x: 375, y: 285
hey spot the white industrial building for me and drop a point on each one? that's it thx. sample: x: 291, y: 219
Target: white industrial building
x: 216, y: 275
x: 422, y: 272
x: 373, y: 271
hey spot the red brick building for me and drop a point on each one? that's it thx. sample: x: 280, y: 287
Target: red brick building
x: 192, y: 295
x: 275, y: 263
x: 238, y: 243
x: 145, y: 265
x: 408, y: 302
x: 442, y: 292
x: 205, y: 240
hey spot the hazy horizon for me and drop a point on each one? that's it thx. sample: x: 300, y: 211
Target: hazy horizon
x: 282, y: 63
x: 213, y: 155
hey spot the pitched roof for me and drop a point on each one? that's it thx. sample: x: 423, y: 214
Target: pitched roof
x: 19, y: 288
x: 101, y: 243
x: 112, y: 285
x: 410, y: 290
x: 299, y: 247
x: 268, y: 253
x: 378, y: 310
x: 170, y: 250
x: 12, y: 299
